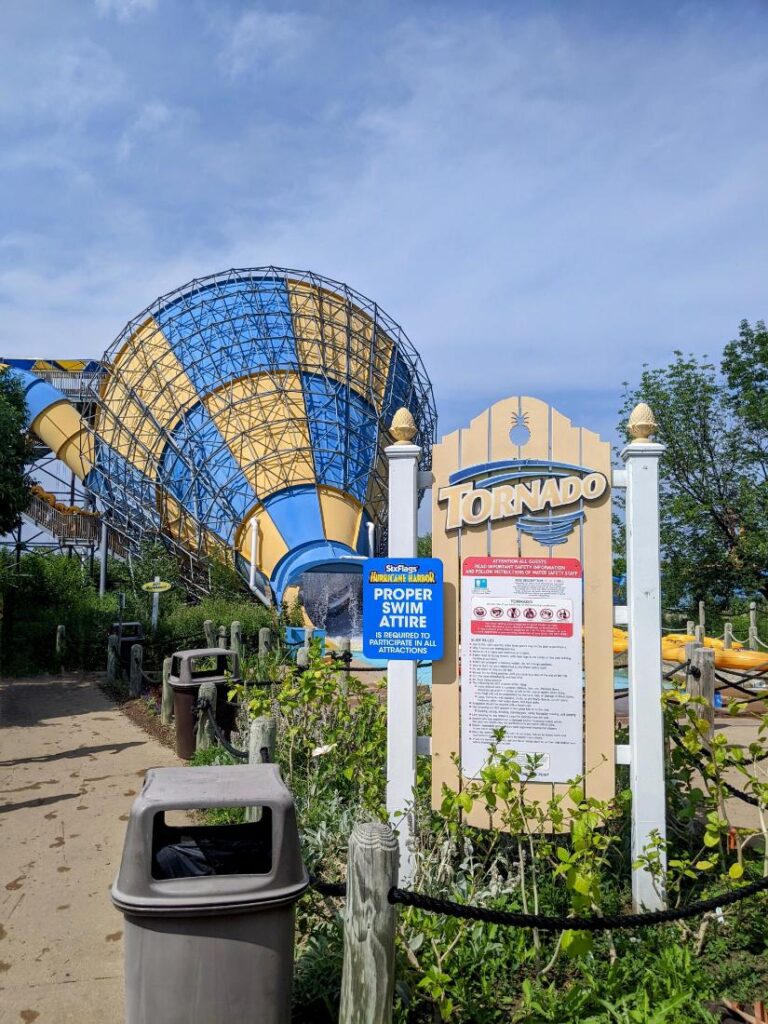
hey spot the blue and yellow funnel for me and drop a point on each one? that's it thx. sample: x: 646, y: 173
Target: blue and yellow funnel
x: 246, y: 415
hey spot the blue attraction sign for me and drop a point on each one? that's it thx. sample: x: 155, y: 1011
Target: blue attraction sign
x: 403, y: 609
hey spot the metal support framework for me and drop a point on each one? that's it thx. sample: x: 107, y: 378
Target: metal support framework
x: 236, y: 390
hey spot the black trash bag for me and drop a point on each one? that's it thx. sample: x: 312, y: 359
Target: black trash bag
x: 196, y: 855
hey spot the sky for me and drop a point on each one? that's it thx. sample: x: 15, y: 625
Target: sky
x: 544, y: 195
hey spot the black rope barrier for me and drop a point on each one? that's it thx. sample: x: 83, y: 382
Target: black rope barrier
x: 675, y: 671
x: 726, y: 684
x: 337, y: 889
x: 203, y: 706
x: 748, y: 676
x: 548, y: 923
x: 593, y: 923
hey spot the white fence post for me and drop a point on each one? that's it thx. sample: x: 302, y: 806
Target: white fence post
x: 646, y: 724
x: 103, y: 554
x: 403, y: 459
x: 155, y: 607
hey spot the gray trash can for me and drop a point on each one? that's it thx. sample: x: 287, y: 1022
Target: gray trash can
x: 185, y: 679
x: 209, y: 910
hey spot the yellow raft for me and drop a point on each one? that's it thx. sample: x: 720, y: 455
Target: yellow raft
x: 673, y: 649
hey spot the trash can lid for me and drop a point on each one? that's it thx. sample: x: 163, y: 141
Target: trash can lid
x: 183, y: 676
x: 136, y: 891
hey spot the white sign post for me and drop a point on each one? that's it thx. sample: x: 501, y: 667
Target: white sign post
x: 403, y: 459
x: 646, y: 724
x: 155, y: 607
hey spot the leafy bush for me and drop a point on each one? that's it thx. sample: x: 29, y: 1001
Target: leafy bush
x: 43, y: 592
x: 48, y: 590
x: 331, y: 748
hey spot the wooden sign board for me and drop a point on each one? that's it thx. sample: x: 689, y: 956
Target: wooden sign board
x: 522, y: 482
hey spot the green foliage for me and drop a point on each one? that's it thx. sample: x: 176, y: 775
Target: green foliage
x: 43, y: 592
x: 424, y: 546
x: 293, y: 613
x: 47, y: 590
x: 331, y: 750
x: 332, y: 736
x: 14, y: 492
x: 182, y: 626
x: 714, y: 472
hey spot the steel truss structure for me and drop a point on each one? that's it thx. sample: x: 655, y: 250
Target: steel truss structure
x: 253, y: 400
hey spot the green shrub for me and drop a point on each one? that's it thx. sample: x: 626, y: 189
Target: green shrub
x: 331, y: 750
x: 48, y: 590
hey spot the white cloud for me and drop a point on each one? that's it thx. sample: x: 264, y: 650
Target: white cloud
x: 259, y: 40
x: 152, y: 120
x: 542, y: 202
x: 126, y: 10
x: 58, y: 82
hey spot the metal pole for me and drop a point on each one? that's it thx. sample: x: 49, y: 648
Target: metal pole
x: 646, y: 725
x: 254, y: 549
x: 401, y: 675
x: 371, y: 531
x: 103, y: 559
x: 155, y: 607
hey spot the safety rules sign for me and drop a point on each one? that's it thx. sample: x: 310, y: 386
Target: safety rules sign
x: 522, y: 663
x: 403, y: 609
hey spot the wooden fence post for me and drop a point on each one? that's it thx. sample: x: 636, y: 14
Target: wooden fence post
x: 752, y: 641
x: 728, y: 636
x: 113, y: 658
x: 698, y: 632
x: 236, y: 639
x: 703, y: 659
x: 702, y: 616
x: 368, y: 978
x: 210, y: 633
x: 689, y: 627
x: 265, y: 641
x: 166, y: 706
x: 206, y: 738
x: 135, y: 680
x: 261, y: 740
x: 221, y: 639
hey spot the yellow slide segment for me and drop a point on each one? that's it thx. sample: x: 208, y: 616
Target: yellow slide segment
x: 673, y: 649
x: 61, y: 428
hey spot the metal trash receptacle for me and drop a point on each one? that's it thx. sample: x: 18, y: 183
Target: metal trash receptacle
x: 128, y: 634
x: 213, y: 947
x: 187, y: 673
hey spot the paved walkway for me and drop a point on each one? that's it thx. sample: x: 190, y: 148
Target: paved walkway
x: 70, y: 767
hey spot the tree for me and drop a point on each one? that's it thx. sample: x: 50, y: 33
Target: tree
x: 14, y: 484
x: 424, y: 546
x: 714, y: 472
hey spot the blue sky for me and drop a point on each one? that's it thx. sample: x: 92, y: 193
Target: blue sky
x: 544, y: 195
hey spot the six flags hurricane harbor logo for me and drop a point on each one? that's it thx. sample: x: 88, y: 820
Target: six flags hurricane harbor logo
x: 509, y: 489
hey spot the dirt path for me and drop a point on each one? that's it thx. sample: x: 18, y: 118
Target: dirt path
x: 70, y: 766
